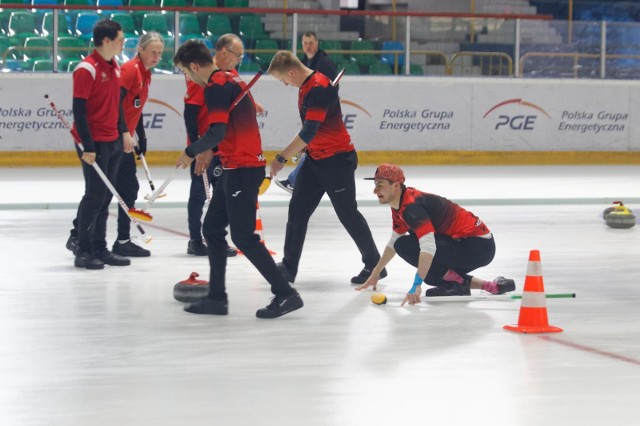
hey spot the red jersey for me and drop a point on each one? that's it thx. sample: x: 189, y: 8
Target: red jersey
x: 136, y: 80
x: 318, y: 100
x: 98, y: 81
x: 242, y: 145
x: 424, y: 213
x: 195, y: 96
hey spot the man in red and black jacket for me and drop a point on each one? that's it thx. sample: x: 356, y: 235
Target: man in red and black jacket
x: 441, y: 239
x: 235, y: 132
x: 329, y: 169
x: 100, y: 126
x: 196, y: 120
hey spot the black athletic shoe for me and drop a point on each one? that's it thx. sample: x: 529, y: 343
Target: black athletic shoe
x: 280, y: 306
x: 285, y: 184
x: 450, y: 289
x: 285, y: 272
x: 72, y: 244
x: 129, y: 249
x: 88, y: 260
x: 231, y: 252
x: 505, y: 284
x: 365, y: 274
x: 209, y: 307
x: 197, y: 248
x: 112, y: 259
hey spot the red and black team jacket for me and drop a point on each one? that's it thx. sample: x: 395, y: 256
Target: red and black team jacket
x: 318, y: 100
x: 424, y: 213
x: 242, y: 145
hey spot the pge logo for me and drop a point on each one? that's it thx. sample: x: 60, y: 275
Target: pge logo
x: 349, y: 119
x: 517, y: 121
x: 156, y: 120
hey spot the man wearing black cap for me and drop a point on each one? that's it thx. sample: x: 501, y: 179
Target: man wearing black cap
x: 440, y: 238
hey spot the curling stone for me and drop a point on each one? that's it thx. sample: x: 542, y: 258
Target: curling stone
x: 612, y: 208
x: 620, y: 217
x: 191, y: 290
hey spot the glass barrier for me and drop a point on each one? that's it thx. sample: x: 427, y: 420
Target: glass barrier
x: 35, y: 39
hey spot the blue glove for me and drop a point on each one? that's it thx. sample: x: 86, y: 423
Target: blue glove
x: 417, y: 282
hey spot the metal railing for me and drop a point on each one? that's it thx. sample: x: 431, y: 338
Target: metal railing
x: 462, y: 43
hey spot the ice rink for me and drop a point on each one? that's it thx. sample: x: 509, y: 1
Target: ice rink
x: 112, y: 347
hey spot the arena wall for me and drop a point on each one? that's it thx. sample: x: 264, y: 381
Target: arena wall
x: 409, y: 120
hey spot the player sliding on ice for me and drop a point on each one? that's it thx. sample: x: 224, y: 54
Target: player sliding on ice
x: 445, y: 242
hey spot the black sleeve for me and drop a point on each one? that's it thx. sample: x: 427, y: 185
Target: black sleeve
x: 191, y: 121
x: 327, y: 67
x: 142, y: 137
x: 208, y: 141
x: 309, y: 130
x: 122, y: 123
x: 82, y: 124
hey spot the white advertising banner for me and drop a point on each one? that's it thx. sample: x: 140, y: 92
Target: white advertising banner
x: 381, y: 113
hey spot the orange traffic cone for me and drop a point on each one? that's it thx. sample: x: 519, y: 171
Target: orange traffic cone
x: 259, y: 229
x: 533, y: 309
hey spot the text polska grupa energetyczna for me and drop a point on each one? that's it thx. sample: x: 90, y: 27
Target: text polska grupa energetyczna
x: 437, y: 120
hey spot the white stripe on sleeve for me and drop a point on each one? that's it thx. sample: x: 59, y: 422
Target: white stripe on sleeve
x: 428, y: 243
x: 392, y: 240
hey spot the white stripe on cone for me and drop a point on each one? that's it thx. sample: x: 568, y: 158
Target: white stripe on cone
x: 534, y: 299
x: 534, y: 269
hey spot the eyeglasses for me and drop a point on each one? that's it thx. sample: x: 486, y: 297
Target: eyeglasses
x: 238, y: 55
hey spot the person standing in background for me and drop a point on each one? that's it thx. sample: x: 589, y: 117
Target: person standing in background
x: 134, y: 91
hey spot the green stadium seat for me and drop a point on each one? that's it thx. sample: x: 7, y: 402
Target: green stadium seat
x: 414, y: 69
x: 350, y: 68
x: 138, y: 15
x: 264, y: 58
x: 21, y: 26
x: 203, y: 17
x: 363, y: 59
x: 72, y: 14
x: 46, y: 29
x: 72, y: 65
x: 236, y: 3
x: 8, y: 58
x: 155, y: 22
x: 172, y: 3
x: 189, y: 27
x: 250, y: 28
x: 170, y: 14
x: 299, y: 51
x: 217, y: 25
x: 380, y: 68
x: 42, y: 65
x: 70, y: 49
x: 249, y: 67
x: 328, y: 45
x: 126, y: 21
x: 36, y: 48
x: 168, y: 52
x: 6, y: 13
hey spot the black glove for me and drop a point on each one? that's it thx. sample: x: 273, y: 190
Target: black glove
x: 141, y: 148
